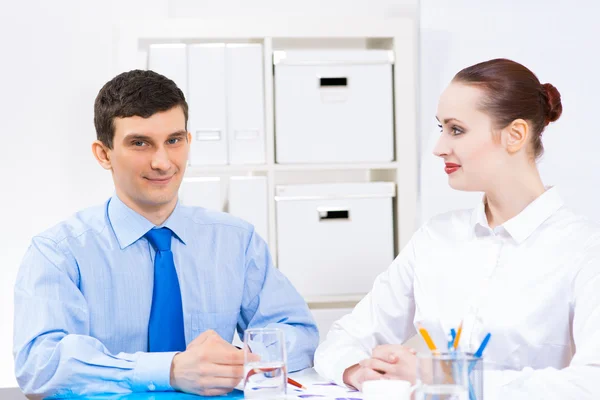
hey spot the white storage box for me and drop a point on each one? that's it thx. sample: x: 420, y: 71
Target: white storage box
x: 170, y: 60
x: 207, y: 102
x: 202, y: 192
x: 248, y: 201
x: 334, y: 239
x: 226, y: 100
x: 245, y: 104
x: 333, y: 106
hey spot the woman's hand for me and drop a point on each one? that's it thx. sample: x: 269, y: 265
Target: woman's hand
x: 387, y: 362
x: 395, y: 361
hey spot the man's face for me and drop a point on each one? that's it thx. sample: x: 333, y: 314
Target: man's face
x: 148, y: 159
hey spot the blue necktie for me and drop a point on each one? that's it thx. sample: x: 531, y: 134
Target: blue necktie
x: 165, y: 330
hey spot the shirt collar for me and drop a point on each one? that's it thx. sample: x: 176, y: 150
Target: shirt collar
x: 129, y: 226
x: 176, y: 223
x: 479, y: 221
x: 521, y: 226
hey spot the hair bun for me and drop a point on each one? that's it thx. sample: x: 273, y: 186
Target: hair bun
x: 553, y: 103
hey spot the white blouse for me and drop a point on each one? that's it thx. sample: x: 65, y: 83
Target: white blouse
x: 533, y: 283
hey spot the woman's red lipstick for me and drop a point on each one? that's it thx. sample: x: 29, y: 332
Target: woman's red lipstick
x: 451, y: 168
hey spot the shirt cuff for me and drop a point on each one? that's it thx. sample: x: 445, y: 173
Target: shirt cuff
x: 349, y: 359
x: 153, y: 372
x: 298, y: 363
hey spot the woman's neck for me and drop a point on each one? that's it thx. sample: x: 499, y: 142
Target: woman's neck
x: 509, y: 198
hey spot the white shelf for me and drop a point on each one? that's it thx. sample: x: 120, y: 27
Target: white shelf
x: 348, y: 299
x: 255, y: 29
x: 398, y: 34
x: 328, y: 167
x: 208, y: 169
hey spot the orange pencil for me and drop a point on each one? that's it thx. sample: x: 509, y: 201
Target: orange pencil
x: 427, y: 339
x: 262, y: 370
x: 457, y: 338
x: 289, y: 380
x: 294, y: 383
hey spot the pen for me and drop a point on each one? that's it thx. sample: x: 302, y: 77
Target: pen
x: 427, y: 338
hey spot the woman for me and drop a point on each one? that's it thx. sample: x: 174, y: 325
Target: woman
x: 520, y: 265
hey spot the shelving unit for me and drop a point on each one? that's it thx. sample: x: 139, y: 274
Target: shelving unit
x: 396, y: 34
x: 328, y: 301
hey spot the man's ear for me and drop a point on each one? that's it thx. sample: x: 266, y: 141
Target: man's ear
x: 102, y: 154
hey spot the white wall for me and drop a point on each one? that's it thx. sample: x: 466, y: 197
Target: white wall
x: 558, y: 42
x: 285, y: 8
x: 56, y: 56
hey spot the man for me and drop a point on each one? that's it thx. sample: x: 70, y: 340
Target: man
x: 108, y: 300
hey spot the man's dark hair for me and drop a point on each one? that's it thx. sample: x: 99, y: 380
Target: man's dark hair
x: 134, y: 93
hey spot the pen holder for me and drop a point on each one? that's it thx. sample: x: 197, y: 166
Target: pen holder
x: 452, y: 375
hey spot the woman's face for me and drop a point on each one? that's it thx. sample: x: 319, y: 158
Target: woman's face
x: 474, y: 157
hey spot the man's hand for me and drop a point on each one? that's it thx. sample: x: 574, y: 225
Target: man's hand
x: 209, y: 366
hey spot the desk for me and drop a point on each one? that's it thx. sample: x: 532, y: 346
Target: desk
x: 308, y: 378
x: 12, y: 394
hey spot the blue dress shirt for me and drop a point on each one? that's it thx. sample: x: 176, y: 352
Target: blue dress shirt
x: 84, y: 292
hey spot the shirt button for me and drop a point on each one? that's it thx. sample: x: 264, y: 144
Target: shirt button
x: 151, y: 387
